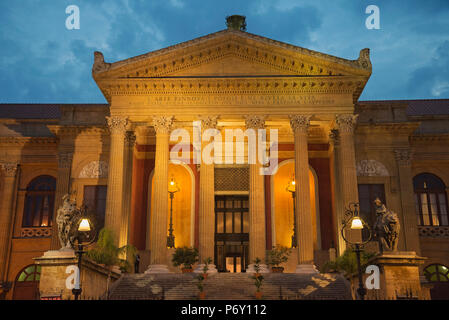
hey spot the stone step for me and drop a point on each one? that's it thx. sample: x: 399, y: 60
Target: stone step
x: 230, y: 286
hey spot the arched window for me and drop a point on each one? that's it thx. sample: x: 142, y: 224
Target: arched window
x: 30, y: 273
x: 437, y: 273
x: 39, y: 202
x: 431, y: 200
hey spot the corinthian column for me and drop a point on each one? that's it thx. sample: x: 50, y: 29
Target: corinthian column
x: 256, y: 197
x: 114, y: 198
x: 6, y: 206
x: 62, y: 188
x: 207, y: 204
x: 130, y: 140
x: 411, y: 234
x: 300, y: 125
x: 346, y: 124
x: 159, y: 214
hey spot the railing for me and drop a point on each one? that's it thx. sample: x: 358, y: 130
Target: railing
x: 434, y: 231
x: 35, y: 232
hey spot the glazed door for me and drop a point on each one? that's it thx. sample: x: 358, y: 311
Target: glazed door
x: 231, y: 233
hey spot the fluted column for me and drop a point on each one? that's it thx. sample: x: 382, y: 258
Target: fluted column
x: 334, y: 139
x: 6, y: 207
x: 411, y: 233
x: 62, y: 188
x: 159, y: 214
x: 300, y: 125
x: 130, y: 140
x: 114, y: 198
x: 207, y: 204
x: 256, y: 198
x: 346, y: 124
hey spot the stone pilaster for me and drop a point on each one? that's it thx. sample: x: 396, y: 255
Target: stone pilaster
x: 130, y: 140
x: 334, y: 139
x: 159, y: 214
x: 62, y: 188
x: 346, y: 124
x: 9, y: 170
x: 256, y: 199
x: 411, y: 233
x: 114, y: 198
x: 207, y: 204
x: 300, y: 125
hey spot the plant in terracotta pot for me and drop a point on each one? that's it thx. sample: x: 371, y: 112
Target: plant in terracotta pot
x: 258, y: 278
x: 185, y: 257
x: 200, y: 285
x: 276, y: 257
x: 206, y: 262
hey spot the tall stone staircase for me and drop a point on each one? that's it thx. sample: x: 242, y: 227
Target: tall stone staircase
x: 230, y: 286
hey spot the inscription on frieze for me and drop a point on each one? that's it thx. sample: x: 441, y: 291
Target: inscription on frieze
x: 307, y: 100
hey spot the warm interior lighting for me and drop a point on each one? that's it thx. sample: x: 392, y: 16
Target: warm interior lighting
x: 291, y: 187
x: 84, y: 225
x: 356, y: 224
x: 173, y: 186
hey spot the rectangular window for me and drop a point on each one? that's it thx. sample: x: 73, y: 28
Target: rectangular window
x: 367, y: 194
x: 95, y: 200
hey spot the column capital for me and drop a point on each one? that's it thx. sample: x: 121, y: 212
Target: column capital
x: 346, y: 122
x: 65, y: 159
x: 117, y: 125
x: 403, y: 156
x: 9, y: 168
x: 255, y: 122
x: 163, y: 124
x: 209, y: 122
x: 300, y: 122
x: 130, y: 139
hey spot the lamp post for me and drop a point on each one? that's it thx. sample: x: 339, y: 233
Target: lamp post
x: 355, y: 222
x: 172, y: 189
x: 84, y: 236
x: 291, y: 187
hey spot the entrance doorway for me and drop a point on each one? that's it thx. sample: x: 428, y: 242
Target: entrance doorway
x: 231, y: 233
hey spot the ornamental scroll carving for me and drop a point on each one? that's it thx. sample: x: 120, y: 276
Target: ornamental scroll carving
x: 95, y: 169
x: 209, y: 122
x: 371, y: 168
x: 299, y: 122
x: 99, y: 64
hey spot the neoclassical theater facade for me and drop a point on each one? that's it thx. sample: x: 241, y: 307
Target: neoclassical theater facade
x: 119, y: 158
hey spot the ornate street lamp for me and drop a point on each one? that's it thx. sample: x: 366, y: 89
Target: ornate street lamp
x: 291, y: 187
x: 354, y: 223
x: 172, y: 189
x: 84, y: 235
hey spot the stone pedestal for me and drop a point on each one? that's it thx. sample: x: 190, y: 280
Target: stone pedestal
x: 399, y: 277
x: 53, y: 277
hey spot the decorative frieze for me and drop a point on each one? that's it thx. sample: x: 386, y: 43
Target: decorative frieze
x: 434, y: 231
x: 300, y: 122
x: 37, y: 232
x: 346, y: 122
x: 163, y: 124
x: 9, y: 168
x: 117, y: 125
x: 95, y: 170
x: 371, y: 168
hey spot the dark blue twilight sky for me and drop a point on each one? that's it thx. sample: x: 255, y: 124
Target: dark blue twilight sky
x: 43, y: 62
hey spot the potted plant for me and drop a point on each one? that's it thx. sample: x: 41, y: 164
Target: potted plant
x: 258, y: 278
x: 185, y: 257
x: 277, y: 256
x: 107, y: 254
x: 200, y: 285
x: 207, y: 262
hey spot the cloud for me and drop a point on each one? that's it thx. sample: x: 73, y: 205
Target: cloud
x: 431, y: 80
